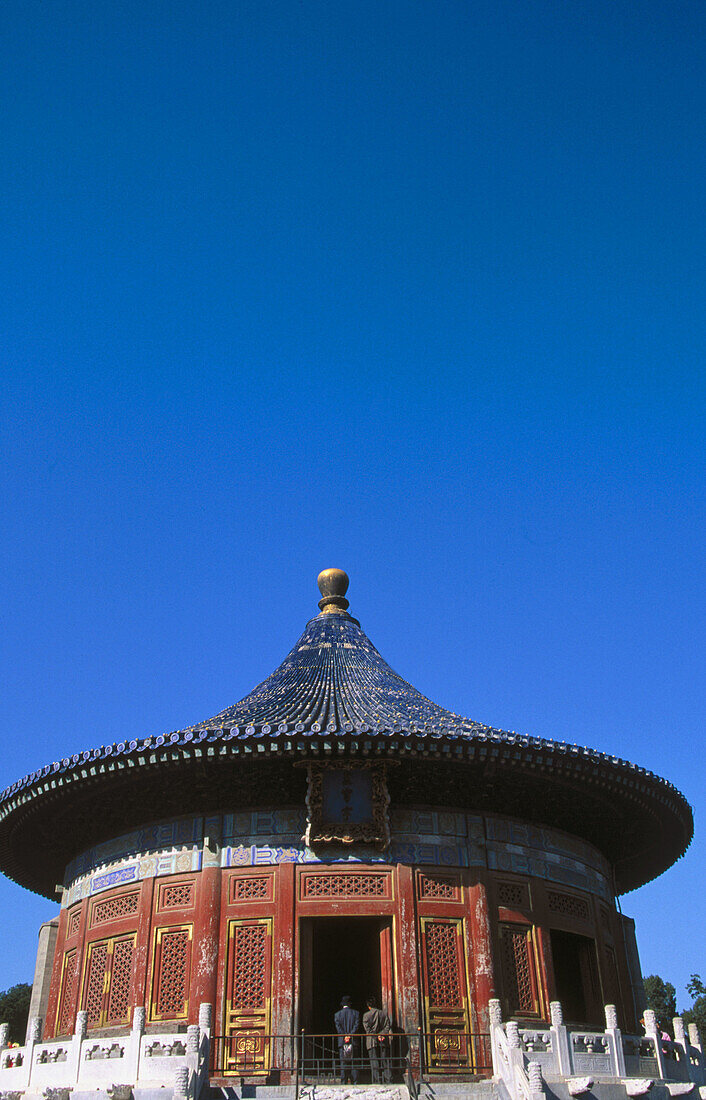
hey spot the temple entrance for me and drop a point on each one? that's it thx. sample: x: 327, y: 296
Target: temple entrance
x: 576, y: 977
x: 342, y: 955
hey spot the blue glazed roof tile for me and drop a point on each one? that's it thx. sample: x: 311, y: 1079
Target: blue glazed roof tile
x: 334, y: 680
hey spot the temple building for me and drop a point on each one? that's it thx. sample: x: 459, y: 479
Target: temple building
x: 336, y: 831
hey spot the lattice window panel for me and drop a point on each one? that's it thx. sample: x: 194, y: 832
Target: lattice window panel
x: 364, y: 885
x: 124, y: 905
x: 74, y: 922
x: 252, y: 888
x: 65, y: 1018
x: 518, y: 969
x: 439, y: 888
x: 119, y: 995
x: 177, y: 895
x: 95, y: 982
x: 513, y: 895
x: 250, y: 966
x: 568, y: 905
x: 443, y: 964
x: 171, y: 984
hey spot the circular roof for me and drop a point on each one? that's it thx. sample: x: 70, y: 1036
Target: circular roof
x: 334, y: 693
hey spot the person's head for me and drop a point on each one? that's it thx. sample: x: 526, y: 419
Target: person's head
x: 371, y: 1002
x: 345, y: 1001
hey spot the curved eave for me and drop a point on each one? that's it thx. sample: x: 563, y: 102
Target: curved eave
x: 639, y: 821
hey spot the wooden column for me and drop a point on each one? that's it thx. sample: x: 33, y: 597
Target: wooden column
x: 141, y: 954
x: 407, y: 949
x: 205, y: 952
x: 283, y: 1008
x: 481, y: 953
x: 54, y: 988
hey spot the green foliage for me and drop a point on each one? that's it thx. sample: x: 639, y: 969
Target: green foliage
x: 697, y: 1013
x: 14, y: 1010
x: 662, y: 998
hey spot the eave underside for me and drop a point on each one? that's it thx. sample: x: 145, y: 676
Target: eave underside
x: 641, y: 827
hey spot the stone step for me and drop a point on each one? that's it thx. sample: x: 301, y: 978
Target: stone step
x: 484, y: 1089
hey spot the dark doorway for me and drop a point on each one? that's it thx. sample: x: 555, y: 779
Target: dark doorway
x: 338, y: 955
x: 576, y: 976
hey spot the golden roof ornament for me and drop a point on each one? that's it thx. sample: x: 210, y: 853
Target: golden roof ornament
x: 333, y: 585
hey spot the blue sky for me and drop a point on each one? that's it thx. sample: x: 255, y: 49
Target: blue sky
x: 412, y: 289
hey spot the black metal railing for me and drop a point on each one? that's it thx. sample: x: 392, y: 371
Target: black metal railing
x: 327, y: 1058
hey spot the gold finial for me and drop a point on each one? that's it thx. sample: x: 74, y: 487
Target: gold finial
x: 333, y: 585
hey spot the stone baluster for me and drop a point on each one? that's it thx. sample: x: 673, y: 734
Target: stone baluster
x: 81, y: 1029
x: 513, y: 1035
x: 652, y: 1032
x: 4, y: 1031
x: 615, y: 1040
x: 138, y: 1019
x: 560, y: 1039
x: 495, y: 1014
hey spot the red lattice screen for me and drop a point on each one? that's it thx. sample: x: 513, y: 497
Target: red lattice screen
x: 439, y: 888
x: 177, y: 895
x: 106, y: 985
x: 251, y: 888
x: 365, y: 884
x: 124, y: 905
x: 119, y: 992
x: 568, y: 905
x: 445, y: 992
x: 170, y: 990
x: 96, y: 968
x: 67, y: 998
x: 248, y: 993
x: 520, y: 981
x: 74, y: 922
x: 513, y: 895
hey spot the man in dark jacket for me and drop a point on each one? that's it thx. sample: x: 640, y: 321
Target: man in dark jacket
x: 347, y: 1022
x: 376, y: 1025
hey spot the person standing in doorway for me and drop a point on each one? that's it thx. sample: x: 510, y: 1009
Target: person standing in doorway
x: 376, y: 1025
x: 347, y: 1022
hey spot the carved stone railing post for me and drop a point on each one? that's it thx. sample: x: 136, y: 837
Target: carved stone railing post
x: 206, y: 1017
x: 534, y: 1075
x: 513, y: 1035
x: 615, y: 1041
x: 560, y: 1039
x: 74, y: 1052
x: 34, y: 1029
x: 652, y: 1032
x: 193, y: 1035
x: 694, y: 1037
x: 681, y: 1041
x: 4, y: 1032
x: 133, y: 1044
x: 181, y: 1083
x: 34, y: 1034
x: 495, y: 1019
